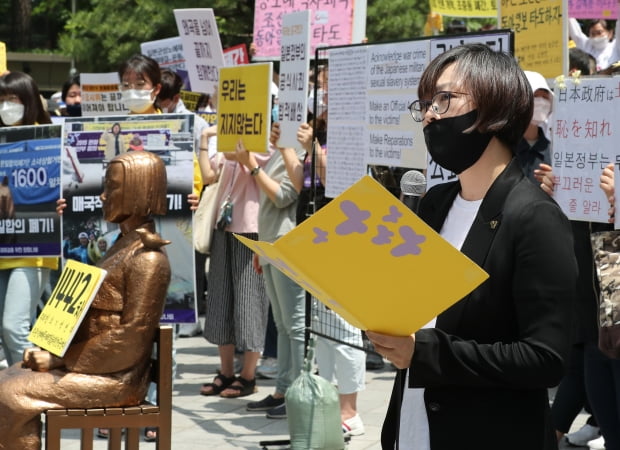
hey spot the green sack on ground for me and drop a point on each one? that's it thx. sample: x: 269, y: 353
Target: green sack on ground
x: 313, y: 412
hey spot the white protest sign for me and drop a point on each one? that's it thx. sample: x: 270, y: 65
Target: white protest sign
x: 293, y: 86
x: 394, y: 72
x: 585, y: 140
x: 346, y: 114
x: 167, y: 52
x: 201, y: 47
x: 100, y: 94
x: 370, y: 89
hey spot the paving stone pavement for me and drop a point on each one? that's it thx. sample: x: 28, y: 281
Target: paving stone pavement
x: 200, y: 422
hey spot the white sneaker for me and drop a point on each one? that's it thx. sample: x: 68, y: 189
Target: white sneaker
x: 584, y: 434
x: 353, y: 426
x: 268, y: 368
x: 3, y: 364
x: 190, y: 329
x: 597, y: 444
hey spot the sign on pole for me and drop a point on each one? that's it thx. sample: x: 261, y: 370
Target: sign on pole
x: 585, y: 140
x: 243, y: 107
x: 101, y: 95
x: 331, y: 24
x: 201, y: 47
x: 167, y: 52
x: 294, y: 67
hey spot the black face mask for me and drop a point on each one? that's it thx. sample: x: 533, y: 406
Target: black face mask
x: 74, y: 110
x: 450, y: 147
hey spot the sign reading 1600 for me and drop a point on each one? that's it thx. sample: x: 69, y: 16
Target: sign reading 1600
x: 30, y: 177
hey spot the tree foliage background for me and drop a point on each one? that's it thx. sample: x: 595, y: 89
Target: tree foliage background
x: 102, y: 33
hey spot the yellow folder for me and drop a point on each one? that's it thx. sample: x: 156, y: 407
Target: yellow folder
x: 373, y: 261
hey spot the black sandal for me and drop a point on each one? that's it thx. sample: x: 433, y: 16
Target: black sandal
x: 247, y: 387
x: 217, y: 388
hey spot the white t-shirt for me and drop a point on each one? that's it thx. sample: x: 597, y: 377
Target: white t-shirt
x: 413, y: 430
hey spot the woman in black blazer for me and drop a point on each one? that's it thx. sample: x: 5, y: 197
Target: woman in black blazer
x: 478, y: 376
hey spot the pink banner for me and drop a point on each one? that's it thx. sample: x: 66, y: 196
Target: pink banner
x: 593, y: 9
x: 331, y: 23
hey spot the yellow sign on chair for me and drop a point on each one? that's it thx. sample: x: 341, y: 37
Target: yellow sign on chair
x: 369, y: 258
x: 66, y: 307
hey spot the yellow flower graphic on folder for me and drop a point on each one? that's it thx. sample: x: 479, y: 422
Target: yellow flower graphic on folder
x: 370, y: 259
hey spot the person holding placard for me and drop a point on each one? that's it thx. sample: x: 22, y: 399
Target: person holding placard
x: 490, y: 358
x: 593, y: 377
x: 108, y: 361
x: 280, y: 182
x: 22, y: 280
x: 236, y: 301
x: 534, y: 148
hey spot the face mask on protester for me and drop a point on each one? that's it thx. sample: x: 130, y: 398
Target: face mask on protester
x: 599, y: 42
x: 450, y: 147
x: 320, y: 104
x: 137, y: 100
x: 11, y: 112
x: 74, y: 110
x: 542, y: 109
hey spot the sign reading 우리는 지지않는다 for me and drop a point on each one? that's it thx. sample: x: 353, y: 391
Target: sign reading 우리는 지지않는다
x: 244, y: 107
x: 65, y: 309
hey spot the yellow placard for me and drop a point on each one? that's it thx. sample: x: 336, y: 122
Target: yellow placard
x: 66, y: 307
x: 369, y: 258
x: 465, y: 8
x: 190, y: 99
x: 3, y: 67
x: 244, y: 107
x: 539, y: 34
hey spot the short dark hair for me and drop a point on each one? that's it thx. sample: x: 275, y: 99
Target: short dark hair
x: 171, y: 84
x: 74, y: 80
x: 143, y: 65
x: 497, y: 85
x: 24, y: 87
x: 580, y: 60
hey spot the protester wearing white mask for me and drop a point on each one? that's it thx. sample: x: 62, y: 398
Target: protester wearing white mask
x: 600, y: 41
x: 140, y: 84
x: 22, y: 279
x: 533, y: 149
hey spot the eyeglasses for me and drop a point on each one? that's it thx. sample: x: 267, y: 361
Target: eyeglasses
x: 439, y: 104
x: 139, y: 85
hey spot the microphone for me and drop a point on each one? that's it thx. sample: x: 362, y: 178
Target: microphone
x: 412, y: 186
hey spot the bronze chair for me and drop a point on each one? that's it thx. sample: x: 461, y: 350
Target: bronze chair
x: 131, y: 418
